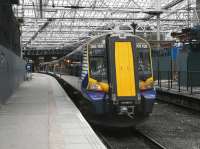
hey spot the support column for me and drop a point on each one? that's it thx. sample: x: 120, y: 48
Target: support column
x: 158, y: 7
x: 41, y: 9
x: 198, y: 8
x: 158, y: 30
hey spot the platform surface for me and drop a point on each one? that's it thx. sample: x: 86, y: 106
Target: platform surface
x: 73, y: 80
x: 40, y: 115
x: 165, y: 86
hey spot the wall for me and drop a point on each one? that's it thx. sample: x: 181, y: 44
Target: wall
x: 12, y: 67
x: 9, y: 29
x: 12, y: 71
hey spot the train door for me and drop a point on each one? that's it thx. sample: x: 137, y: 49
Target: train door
x: 122, y: 64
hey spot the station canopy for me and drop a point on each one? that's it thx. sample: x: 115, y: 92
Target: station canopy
x: 58, y: 24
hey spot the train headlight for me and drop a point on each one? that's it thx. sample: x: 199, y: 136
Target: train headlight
x: 147, y: 84
x: 95, y: 86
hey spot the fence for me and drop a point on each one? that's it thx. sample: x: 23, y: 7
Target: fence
x: 180, y: 81
x: 180, y: 73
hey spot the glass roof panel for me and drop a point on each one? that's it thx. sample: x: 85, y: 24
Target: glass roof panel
x: 56, y: 22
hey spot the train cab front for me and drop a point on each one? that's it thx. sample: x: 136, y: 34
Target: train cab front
x: 120, y: 79
x: 123, y: 75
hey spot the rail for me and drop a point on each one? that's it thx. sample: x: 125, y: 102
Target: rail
x: 151, y: 141
x: 128, y: 139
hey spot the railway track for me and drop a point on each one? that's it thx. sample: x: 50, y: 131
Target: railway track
x: 152, y: 142
x: 135, y: 139
x: 120, y: 139
x: 128, y: 139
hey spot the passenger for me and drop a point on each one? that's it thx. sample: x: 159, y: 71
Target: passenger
x: 28, y: 71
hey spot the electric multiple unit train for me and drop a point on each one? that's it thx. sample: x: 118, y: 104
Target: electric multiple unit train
x: 114, y: 73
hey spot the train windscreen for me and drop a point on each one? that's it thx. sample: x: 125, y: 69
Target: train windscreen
x: 144, y: 60
x: 98, y: 60
x: 98, y: 69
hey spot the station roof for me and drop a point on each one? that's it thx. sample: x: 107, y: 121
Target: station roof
x: 58, y: 24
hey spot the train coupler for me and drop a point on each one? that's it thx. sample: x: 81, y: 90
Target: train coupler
x: 126, y: 110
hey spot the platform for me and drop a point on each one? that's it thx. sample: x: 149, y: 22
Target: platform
x: 74, y: 81
x: 172, y: 87
x: 188, y: 97
x: 40, y: 115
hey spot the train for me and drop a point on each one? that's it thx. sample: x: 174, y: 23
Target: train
x: 114, y: 74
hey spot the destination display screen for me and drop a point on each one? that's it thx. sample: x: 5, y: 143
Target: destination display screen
x: 97, y: 51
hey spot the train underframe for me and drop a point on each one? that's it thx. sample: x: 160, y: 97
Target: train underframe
x: 107, y: 113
